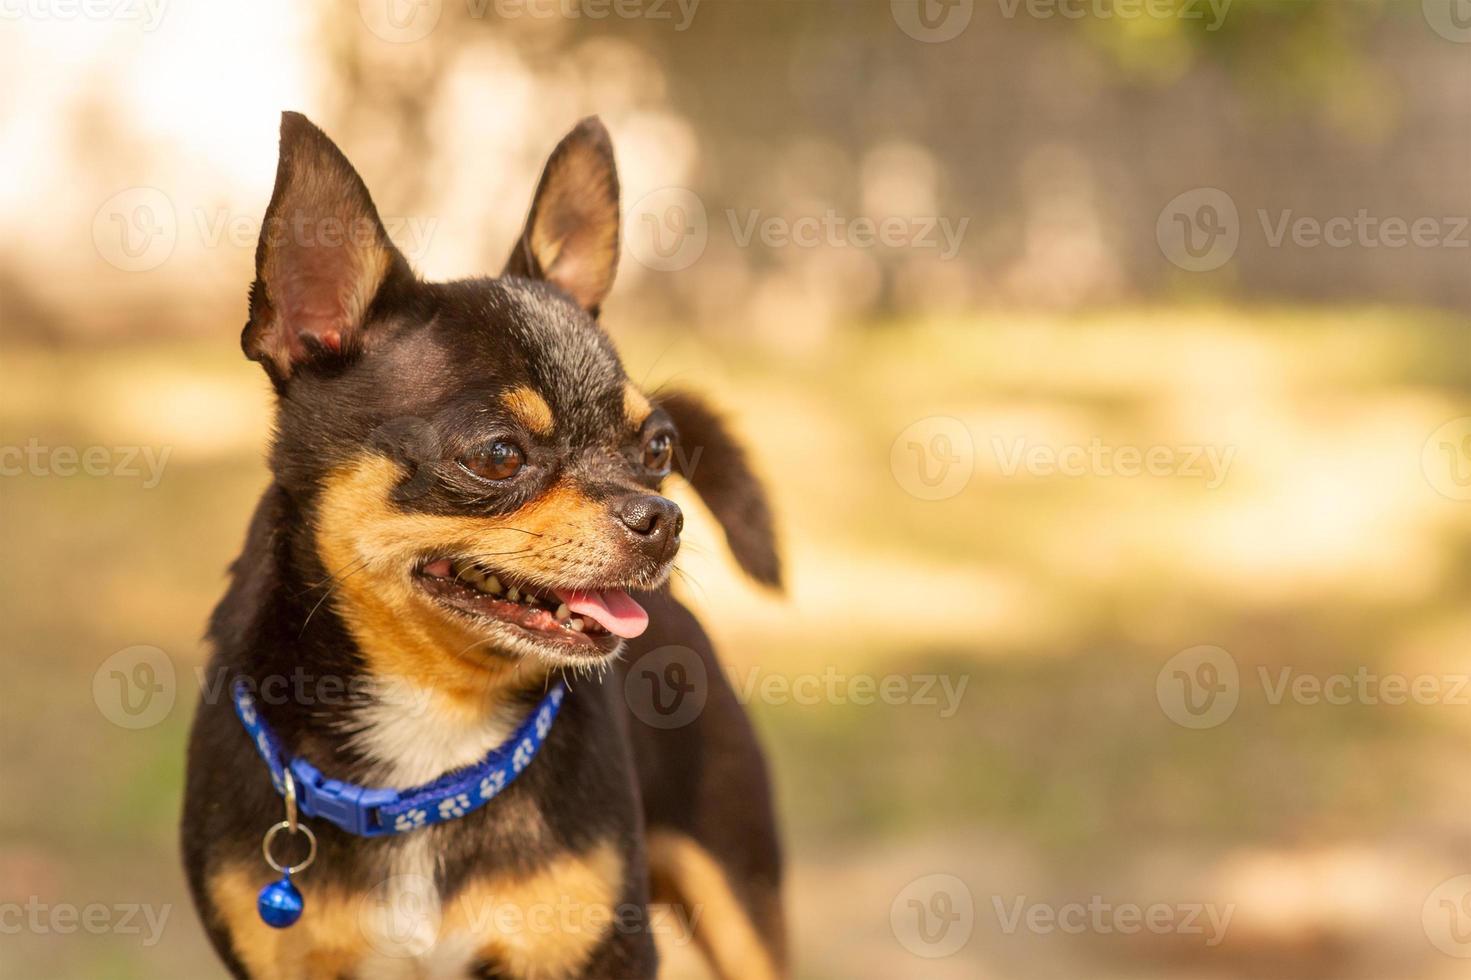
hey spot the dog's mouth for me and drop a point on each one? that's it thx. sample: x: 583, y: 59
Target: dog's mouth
x: 586, y: 621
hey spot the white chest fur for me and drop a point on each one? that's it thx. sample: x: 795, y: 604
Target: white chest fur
x: 414, y: 734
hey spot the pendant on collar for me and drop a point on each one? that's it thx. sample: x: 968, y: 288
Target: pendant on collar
x: 280, y: 903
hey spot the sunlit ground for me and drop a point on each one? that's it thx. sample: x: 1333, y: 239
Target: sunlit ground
x: 1325, y: 538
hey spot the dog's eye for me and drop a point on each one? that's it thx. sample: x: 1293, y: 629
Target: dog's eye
x: 501, y: 461
x: 658, y: 452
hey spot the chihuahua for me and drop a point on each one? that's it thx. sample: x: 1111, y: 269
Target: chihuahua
x: 446, y: 751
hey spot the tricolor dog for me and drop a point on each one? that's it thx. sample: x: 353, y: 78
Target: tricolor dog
x: 463, y: 547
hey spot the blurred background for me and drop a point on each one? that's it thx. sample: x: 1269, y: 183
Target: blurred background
x: 1108, y: 361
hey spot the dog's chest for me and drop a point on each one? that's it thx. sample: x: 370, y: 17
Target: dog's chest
x: 401, y: 920
x: 414, y: 735
x: 544, y: 919
x: 543, y: 923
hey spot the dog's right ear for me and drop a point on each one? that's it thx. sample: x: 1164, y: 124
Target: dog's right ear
x: 323, y: 257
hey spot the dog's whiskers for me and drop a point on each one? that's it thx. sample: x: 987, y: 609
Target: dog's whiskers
x: 336, y: 578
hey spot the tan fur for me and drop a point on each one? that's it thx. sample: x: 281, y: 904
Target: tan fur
x: 722, y: 928
x: 325, y: 943
x: 636, y: 406
x: 540, y: 926
x: 550, y: 921
x: 530, y: 409
x: 369, y: 546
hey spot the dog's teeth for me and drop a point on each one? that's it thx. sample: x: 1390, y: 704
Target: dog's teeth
x: 514, y: 595
x: 563, y: 613
x: 493, y: 585
x: 575, y: 624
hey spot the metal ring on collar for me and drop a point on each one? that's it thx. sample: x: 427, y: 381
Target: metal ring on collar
x: 311, y: 854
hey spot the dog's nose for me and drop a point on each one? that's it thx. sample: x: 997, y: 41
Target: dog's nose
x: 653, y: 523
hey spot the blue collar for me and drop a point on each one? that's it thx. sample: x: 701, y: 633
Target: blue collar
x: 370, y: 812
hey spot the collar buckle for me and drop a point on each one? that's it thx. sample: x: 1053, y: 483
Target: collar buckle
x: 353, y: 808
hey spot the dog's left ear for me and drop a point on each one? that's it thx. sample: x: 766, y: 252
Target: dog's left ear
x: 715, y: 464
x: 571, y: 236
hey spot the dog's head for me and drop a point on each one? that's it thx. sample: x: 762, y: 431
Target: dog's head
x: 476, y: 469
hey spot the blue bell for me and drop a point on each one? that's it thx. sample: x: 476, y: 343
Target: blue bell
x: 280, y: 904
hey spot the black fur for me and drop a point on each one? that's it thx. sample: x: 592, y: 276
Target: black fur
x: 417, y: 380
x: 716, y: 466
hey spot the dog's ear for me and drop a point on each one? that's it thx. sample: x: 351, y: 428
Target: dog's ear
x: 322, y: 258
x: 571, y: 236
x: 716, y: 466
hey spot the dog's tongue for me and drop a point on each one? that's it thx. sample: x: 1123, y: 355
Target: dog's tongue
x: 615, y: 609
